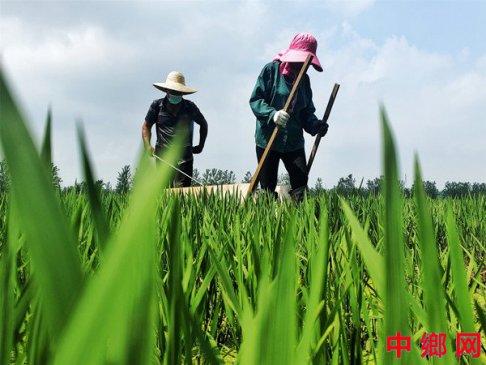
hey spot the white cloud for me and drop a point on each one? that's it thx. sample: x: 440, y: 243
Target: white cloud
x: 101, y: 67
x: 349, y: 8
x: 434, y: 106
x: 104, y: 75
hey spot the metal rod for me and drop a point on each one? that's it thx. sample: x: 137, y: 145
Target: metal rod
x: 175, y: 168
x: 324, y: 119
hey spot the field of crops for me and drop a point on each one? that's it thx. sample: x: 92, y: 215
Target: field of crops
x: 151, y: 278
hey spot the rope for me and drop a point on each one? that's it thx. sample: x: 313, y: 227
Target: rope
x: 175, y: 168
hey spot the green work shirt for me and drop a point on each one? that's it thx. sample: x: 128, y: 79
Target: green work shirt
x: 269, y: 95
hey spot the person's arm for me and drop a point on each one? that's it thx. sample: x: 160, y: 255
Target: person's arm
x: 146, y: 135
x: 149, y: 121
x: 310, y: 122
x: 260, y: 97
x: 203, y: 129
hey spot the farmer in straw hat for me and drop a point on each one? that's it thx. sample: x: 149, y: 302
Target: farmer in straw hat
x: 267, y: 101
x: 171, y: 114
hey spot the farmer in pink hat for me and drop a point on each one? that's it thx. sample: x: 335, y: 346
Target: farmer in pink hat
x: 267, y: 102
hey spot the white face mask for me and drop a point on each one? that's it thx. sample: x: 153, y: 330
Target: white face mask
x: 174, y: 99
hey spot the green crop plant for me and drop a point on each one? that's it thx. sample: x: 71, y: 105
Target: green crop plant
x: 155, y: 278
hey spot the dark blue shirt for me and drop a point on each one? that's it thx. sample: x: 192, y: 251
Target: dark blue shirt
x: 166, y: 123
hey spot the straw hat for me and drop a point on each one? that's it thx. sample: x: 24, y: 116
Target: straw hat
x: 176, y: 82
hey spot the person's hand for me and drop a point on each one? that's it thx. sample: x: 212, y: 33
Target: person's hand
x: 197, y: 149
x: 150, y: 150
x: 323, y: 127
x: 281, y: 118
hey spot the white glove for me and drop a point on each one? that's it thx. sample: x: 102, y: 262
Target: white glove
x: 281, y: 118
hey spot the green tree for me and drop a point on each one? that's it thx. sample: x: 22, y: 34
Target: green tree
x: 346, y: 185
x: 124, y: 180
x: 407, y: 192
x: 430, y: 189
x: 456, y: 189
x: 247, y: 178
x: 55, y: 178
x: 318, y: 187
x: 103, y: 187
x: 478, y: 188
x: 374, y: 186
x: 218, y: 177
x: 195, y: 174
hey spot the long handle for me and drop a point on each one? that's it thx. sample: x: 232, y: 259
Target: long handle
x: 325, y: 118
x: 254, y: 179
x: 175, y: 168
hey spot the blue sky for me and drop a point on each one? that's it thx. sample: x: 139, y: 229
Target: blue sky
x: 95, y: 61
x: 440, y: 26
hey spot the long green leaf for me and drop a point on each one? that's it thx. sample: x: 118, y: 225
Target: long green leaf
x: 318, y: 278
x: 6, y: 307
x: 463, y: 298
x: 100, y: 221
x: 46, y: 150
x: 396, y: 308
x: 375, y: 263
x: 49, y: 238
x: 435, y: 302
x: 118, y: 304
x: 270, y: 336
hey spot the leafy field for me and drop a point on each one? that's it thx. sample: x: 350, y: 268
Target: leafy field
x: 152, y: 278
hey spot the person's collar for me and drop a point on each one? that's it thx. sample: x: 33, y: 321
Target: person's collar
x: 167, y: 105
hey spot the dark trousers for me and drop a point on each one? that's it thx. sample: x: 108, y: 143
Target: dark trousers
x: 295, y: 164
x: 179, y: 180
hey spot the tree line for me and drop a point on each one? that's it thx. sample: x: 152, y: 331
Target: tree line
x: 345, y: 186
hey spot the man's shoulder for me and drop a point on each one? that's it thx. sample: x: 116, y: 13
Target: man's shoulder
x: 157, y: 103
x: 190, y: 104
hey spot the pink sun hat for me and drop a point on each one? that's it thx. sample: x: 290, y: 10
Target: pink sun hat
x: 301, y: 45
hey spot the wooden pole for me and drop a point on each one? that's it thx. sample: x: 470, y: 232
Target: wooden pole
x: 325, y: 118
x: 254, y: 179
